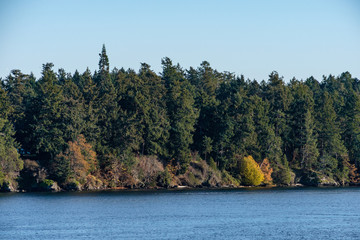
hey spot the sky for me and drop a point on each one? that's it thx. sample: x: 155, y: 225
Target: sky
x: 298, y: 38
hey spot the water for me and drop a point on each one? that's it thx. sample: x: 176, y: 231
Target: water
x: 309, y: 213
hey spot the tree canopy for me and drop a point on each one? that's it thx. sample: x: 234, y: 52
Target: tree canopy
x: 78, y: 126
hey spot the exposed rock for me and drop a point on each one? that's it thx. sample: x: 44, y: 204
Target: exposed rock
x: 327, y: 181
x: 55, y: 187
x: 48, y: 185
x: 146, y: 170
x: 32, y: 177
x: 316, y: 179
x: 8, y: 187
x: 214, y: 180
x: 309, y: 179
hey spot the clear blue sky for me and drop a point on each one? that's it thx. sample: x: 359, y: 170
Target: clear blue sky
x: 297, y: 38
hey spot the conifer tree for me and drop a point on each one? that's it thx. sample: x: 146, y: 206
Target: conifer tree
x: 104, y: 67
x: 20, y: 91
x: 74, y: 110
x: 279, y: 99
x: 156, y: 123
x: 132, y: 107
x: 332, y: 149
x: 224, y: 128
x: 46, y: 128
x: 207, y: 146
x: 302, y: 127
x: 107, y: 105
x: 10, y: 162
x: 206, y: 82
x: 309, y: 151
x: 351, y: 126
x: 301, y: 139
x: 181, y: 110
x: 90, y: 94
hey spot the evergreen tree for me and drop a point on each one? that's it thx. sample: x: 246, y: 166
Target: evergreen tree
x: 10, y: 162
x: 351, y: 126
x: 277, y: 159
x: 207, y: 146
x: 309, y: 151
x: 127, y: 115
x: 107, y: 105
x: 156, y: 123
x: 131, y: 123
x: 332, y: 149
x: 90, y: 94
x: 181, y: 110
x: 74, y: 110
x: 262, y: 126
x: 223, y: 130
x: 46, y: 136
x: 104, y: 67
x: 279, y: 99
x: 20, y: 92
x: 301, y: 136
x: 246, y: 136
x: 206, y: 81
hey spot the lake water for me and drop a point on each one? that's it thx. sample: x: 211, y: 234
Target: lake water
x: 305, y: 213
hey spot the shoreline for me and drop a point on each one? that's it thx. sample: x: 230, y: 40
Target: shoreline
x: 187, y: 188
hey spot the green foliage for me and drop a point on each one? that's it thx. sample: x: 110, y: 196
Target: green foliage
x: 230, y: 180
x: 47, y: 129
x: 212, y: 163
x: 351, y: 129
x: 331, y: 146
x: 10, y: 162
x: 46, y: 183
x: 104, y: 61
x: 192, y: 179
x: 299, y: 126
x: 327, y: 164
x: 165, y: 178
x: 2, y: 178
x: 282, y: 176
x: 302, y: 143
x: 309, y: 151
x: 207, y: 146
x: 181, y: 111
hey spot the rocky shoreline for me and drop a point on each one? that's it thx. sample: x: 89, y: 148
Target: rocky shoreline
x: 54, y: 187
x: 150, y: 174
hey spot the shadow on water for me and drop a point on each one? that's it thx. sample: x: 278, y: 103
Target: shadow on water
x: 115, y: 192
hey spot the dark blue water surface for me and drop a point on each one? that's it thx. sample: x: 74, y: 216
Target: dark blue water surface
x: 306, y: 213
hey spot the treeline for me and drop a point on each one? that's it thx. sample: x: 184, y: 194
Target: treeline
x: 92, y: 128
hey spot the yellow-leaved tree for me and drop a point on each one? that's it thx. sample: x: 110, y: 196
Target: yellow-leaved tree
x: 250, y: 172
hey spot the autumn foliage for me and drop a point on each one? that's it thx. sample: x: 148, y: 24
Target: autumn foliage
x: 267, y: 171
x: 80, y: 158
x: 250, y: 172
x: 353, y: 175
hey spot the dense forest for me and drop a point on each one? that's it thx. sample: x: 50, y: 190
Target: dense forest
x: 182, y: 127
